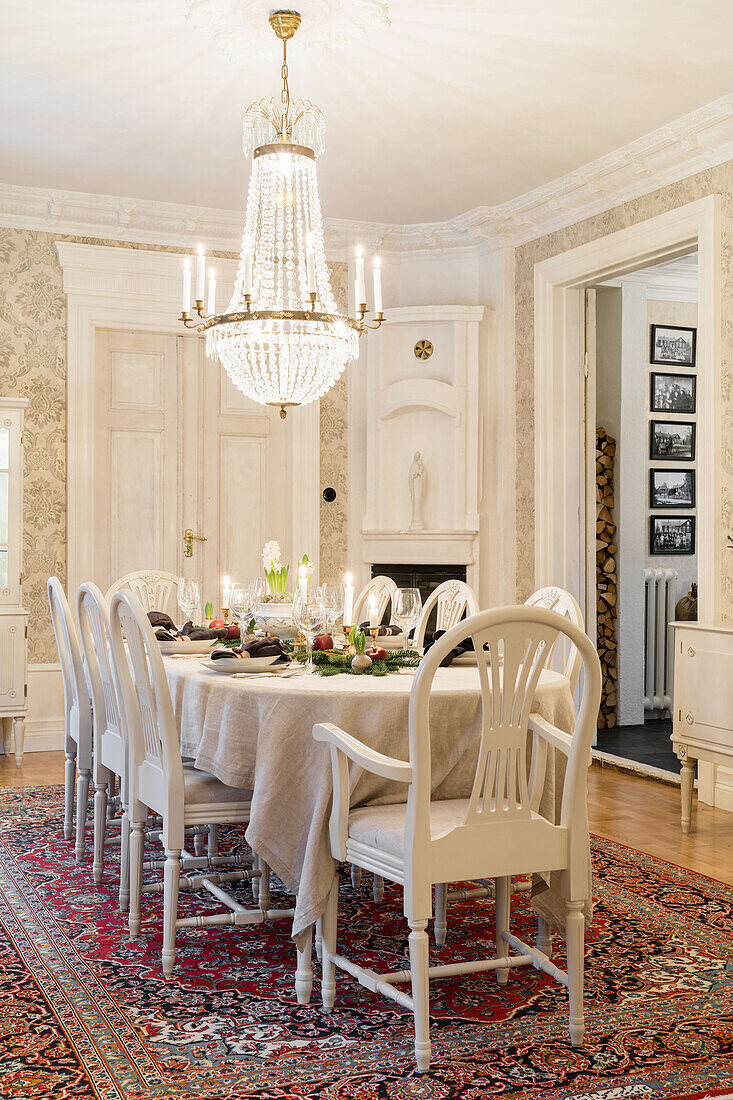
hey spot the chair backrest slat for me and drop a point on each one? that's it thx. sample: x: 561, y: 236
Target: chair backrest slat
x: 146, y: 704
x: 76, y: 690
x: 563, y: 603
x: 452, y: 600
x: 156, y: 590
x: 513, y: 647
x: 383, y: 588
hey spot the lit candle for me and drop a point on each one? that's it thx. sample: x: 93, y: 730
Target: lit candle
x: 359, y: 291
x: 373, y: 613
x: 348, y: 601
x: 310, y: 264
x: 186, y: 300
x: 211, y: 303
x: 303, y: 581
x: 377, y: 285
x: 226, y: 591
x: 247, y: 257
x: 200, y: 273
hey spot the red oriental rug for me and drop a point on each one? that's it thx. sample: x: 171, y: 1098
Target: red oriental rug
x: 86, y: 1014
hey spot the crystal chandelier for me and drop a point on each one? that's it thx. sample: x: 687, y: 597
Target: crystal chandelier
x: 282, y: 340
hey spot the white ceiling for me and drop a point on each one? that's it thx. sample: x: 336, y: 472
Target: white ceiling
x: 431, y: 108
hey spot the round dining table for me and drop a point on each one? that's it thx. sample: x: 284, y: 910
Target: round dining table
x: 255, y: 731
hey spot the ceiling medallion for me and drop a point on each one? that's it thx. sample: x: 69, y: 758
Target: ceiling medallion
x: 423, y: 349
x: 331, y: 24
x: 282, y: 340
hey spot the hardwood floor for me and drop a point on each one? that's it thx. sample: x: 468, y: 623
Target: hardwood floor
x: 632, y: 810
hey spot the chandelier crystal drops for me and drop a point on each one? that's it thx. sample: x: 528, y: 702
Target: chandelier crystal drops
x: 282, y: 340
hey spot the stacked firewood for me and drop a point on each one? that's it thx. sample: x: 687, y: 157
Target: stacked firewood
x: 606, y: 576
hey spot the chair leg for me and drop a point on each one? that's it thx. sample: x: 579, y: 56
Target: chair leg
x: 213, y: 842
x: 125, y: 862
x: 544, y: 937
x: 329, y: 928
x: 441, y: 916
x: 199, y: 843
x: 82, y: 800
x: 304, y: 971
x: 575, y: 940
x: 420, y: 995
x: 137, y: 845
x: 502, y: 898
x: 378, y: 889
x: 171, y: 876
x: 255, y: 882
x: 355, y: 876
x: 100, y: 829
x: 69, y: 781
x: 263, y: 891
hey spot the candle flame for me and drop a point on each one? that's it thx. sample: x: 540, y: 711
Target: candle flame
x: 359, y: 251
x: 347, y: 579
x: 200, y: 250
x: 377, y: 263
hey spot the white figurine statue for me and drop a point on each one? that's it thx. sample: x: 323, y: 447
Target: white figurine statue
x: 417, y: 489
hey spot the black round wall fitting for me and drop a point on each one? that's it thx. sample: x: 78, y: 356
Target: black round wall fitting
x: 329, y: 495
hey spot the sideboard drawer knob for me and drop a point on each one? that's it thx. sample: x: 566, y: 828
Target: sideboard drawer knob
x: 689, y: 719
x: 690, y: 651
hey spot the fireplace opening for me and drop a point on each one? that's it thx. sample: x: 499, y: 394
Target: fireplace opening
x: 424, y: 577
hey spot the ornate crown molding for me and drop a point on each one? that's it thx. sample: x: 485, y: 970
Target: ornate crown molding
x: 692, y: 144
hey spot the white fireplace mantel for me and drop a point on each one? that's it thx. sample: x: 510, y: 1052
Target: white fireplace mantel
x: 432, y: 406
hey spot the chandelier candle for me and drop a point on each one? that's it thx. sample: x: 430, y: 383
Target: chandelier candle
x: 282, y: 340
x: 211, y: 300
x: 186, y: 301
x: 377, y: 287
x: 200, y: 275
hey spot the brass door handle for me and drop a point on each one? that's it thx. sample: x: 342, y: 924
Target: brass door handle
x: 188, y: 537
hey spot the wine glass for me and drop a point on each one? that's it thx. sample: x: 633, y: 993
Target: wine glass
x: 309, y: 616
x: 188, y: 596
x: 333, y: 603
x: 406, y: 609
x: 239, y: 606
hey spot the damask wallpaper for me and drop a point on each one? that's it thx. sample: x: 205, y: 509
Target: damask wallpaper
x: 33, y: 365
x: 717, y: 180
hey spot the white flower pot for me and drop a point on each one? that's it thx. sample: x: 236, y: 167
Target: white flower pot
x: 277, y: 619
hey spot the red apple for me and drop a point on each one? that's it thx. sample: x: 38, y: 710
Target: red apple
x: 377, y: 653
x: 216, y: 624
x: 232, y: 631
x: 323, y: 641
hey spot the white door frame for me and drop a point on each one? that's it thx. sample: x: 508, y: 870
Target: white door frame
x: 130, y: 288
x: 559, y: 446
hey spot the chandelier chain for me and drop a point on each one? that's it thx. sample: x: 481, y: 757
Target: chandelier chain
x: 285, y: 94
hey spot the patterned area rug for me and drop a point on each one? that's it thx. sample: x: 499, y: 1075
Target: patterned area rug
x: 86, y: 1014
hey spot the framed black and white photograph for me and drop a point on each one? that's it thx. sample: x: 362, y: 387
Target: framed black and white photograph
x: 671, y: 534
x: 673, y: 345
x: 675, y: 393
x: 671, y: 488
x: 672, y: 439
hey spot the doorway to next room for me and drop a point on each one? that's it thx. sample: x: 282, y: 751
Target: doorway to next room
x: 644, y: 327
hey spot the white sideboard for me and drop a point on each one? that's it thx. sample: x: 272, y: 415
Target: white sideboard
x: 13, y: 618
x: 702, y: 726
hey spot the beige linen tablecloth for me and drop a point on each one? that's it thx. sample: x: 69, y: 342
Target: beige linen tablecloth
x: 256, y: 732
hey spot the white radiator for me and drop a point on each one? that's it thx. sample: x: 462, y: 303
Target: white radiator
x: 660, y: 597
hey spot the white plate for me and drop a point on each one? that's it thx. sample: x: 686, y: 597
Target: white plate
x: 168, y: 648
x: 392, y: 641
x: 232, y: 666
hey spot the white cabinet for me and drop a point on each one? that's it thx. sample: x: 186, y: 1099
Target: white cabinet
x: 703, y: 700
x: 13, y: 619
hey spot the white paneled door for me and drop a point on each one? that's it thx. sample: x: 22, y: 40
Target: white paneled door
x: 177, y: 446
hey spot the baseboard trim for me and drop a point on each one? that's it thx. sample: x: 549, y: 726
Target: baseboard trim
x: 635, y: 767
x: 41, y: 735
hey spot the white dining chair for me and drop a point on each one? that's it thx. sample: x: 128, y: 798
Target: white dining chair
x: 563, y: 603
x: 496, y: 832
x: 380, y: 588
x: 182, y: 797
x: 156, y: 590
x: 110, y: 749
x: 452, y: 600
x: 77, y: 716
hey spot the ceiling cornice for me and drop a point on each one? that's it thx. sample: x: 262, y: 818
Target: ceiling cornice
x: 689, y: 145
